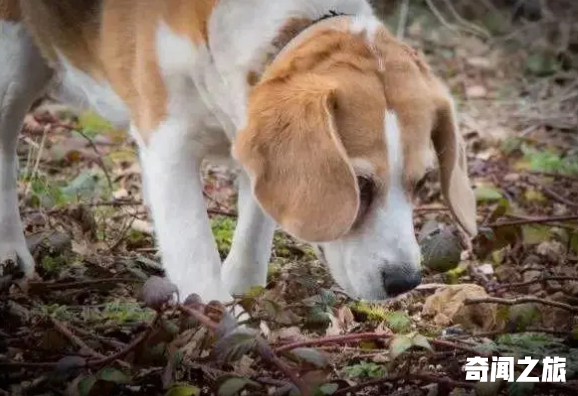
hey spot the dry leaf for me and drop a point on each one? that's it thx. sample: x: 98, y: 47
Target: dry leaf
x: 447, y: 307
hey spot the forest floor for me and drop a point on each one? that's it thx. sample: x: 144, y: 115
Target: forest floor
x: 81, y: 328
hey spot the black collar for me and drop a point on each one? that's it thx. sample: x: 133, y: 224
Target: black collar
x: 330, y: 14
x: 279, y: 45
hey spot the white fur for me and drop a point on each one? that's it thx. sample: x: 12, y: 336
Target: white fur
x: 367, y: 24
x: 82, y: 91
x: 22, y: 77
x: 246, y: 264
x: 385, y: 242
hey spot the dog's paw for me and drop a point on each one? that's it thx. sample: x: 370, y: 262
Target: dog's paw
x: 239, y: 280
x: 15, y: 262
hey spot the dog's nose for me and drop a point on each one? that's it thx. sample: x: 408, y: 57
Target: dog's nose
x: 401, y: 280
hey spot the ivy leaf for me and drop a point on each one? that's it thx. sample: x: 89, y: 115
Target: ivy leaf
x: 365, y: 370
x: 235, y: 345
x: 310, y: 355
x: 183, y: 390
x: 231, y: 386
x: 422, y: 342
x: 520, y: 388
x: 110, y: 374
x: 486, y: 193
x: 535, y: 234
x: 86, y: 384
x: 328, y: 389
x: 399, y: 345
x: 398, y: 322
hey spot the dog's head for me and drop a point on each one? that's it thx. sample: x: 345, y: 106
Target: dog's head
x: 338, y: 134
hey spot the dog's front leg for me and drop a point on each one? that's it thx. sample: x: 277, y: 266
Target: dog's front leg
x: 171, y: 166
x: 246, y: 264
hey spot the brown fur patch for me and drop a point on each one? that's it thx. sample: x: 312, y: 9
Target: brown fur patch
x: 425, y: 113
x: 115, y: 41
x: 10, y: 10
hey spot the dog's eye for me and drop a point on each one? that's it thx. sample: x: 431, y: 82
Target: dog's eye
x: 366, y: 191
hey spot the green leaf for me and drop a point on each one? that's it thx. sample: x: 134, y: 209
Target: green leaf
x: 364, y: 370
x: 183, y: 390
x: 487, y: 193
x: 422, y: 342
x: 520, y: 388
x: 535, y: 234
x: 92, y: 123
x: 399, y: 345
x: 541, y: 64
x: 318, y: 316
x: 488, y: 388
x: 85, y: 185
x: 231, y: 386
x: 310, y: 355
x: 110, y: 374
x: 398, y: 322
x: 86, y: 384
x: 235, y: 345
x: 328, y: 389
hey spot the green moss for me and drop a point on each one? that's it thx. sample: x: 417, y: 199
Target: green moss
x: 118, y: 312
x: 92, y: 124
x: 53, y: 265
x: 397, y: 321
x: 223, y: 230
x: 369, y: 311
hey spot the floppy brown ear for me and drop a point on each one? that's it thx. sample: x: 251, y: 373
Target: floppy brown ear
x: 298, y: 166
x: 455, y: 183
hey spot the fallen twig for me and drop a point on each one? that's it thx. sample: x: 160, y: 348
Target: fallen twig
x: 129, y: 348
x: 490, y: 334
x: 521, y: 300
x: 79, y: 284
x: 551, y: 193
x: 332, y: 340
x: 50, y: 123
x: 62, y: 328
x: 537, y: 220
x: 542, y: 279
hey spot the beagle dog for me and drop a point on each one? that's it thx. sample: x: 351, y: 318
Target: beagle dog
x: 329, y: 117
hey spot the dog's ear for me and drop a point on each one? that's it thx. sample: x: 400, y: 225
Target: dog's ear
x: 297, y: 163
x: 450, y: 149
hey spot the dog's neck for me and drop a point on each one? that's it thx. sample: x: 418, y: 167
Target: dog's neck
x: 291, y: 33
x: 242, y: 45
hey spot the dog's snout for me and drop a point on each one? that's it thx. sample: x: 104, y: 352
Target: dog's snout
x: 401, y: 279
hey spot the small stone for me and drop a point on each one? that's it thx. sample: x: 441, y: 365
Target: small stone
x: 531, y: 275
x: 476, y: 92
x: 507, y: 273
x: 486, y: 269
